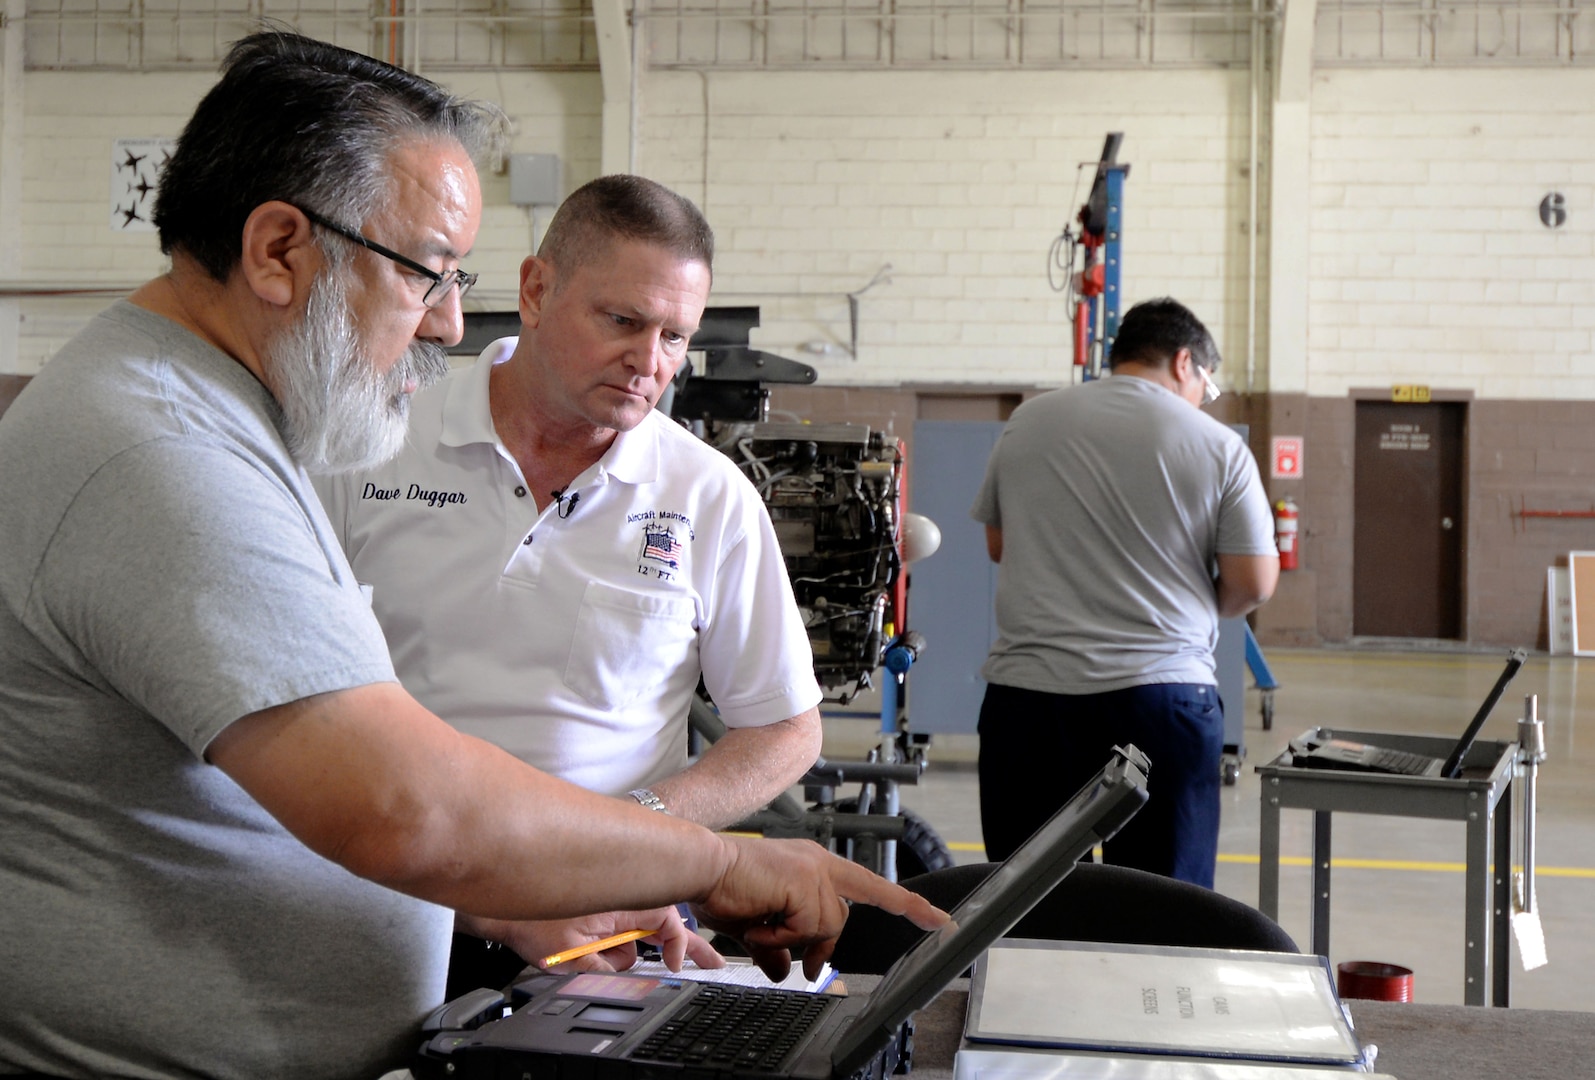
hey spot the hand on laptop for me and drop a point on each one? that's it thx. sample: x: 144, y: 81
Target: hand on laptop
x: 535, y: 939
x: 780, y: 895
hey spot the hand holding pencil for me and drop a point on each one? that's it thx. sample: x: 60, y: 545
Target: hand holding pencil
x: 607, y: 942
x: 601, y: 945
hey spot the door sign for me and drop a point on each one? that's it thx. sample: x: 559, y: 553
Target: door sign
x: 1404, y: 437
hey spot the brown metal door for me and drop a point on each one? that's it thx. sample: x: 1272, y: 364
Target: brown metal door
x: 1407, y: 536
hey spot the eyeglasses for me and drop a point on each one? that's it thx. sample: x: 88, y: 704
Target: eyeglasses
x: 441, y: 283
x: 1210, y: 390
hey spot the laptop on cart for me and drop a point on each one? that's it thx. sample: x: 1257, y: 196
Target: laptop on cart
x: 595, y: 1026
x: 1316, y: 751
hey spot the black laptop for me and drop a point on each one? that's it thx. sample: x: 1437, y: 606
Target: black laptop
x: 1321, y: 751
x: 630, y: 1027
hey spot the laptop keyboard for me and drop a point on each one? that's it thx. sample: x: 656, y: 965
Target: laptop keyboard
x: 1399, y: 761
x: 734, y: 1027
x: 1362, y: 757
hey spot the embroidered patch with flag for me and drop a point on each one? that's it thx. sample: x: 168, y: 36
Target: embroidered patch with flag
x: 661, y: 546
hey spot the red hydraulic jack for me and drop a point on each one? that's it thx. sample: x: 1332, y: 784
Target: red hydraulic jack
x: 1095, y: 286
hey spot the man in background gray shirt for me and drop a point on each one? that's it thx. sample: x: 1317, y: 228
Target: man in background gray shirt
x: 1125, y: 523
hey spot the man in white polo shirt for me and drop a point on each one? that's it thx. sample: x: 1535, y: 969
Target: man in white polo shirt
x: 555, y: 564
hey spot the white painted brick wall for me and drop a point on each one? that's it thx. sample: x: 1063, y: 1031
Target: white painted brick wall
x: 1428, y: 262
x: 984, y: 164
x: 1443, y: 172
x: 66, y: 242
x: 72, y: 119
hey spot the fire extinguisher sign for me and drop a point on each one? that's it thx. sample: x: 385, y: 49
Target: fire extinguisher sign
x: 1286, y: 455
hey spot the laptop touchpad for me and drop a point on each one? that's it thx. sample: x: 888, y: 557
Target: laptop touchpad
x: 608, y: 1014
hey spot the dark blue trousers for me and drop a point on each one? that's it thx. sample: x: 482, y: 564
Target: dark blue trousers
x: 1038, y: 749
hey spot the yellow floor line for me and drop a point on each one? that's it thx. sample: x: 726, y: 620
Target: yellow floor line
x: 1419, y: 660
x: 1362, y: 864
x: 1408, y: 865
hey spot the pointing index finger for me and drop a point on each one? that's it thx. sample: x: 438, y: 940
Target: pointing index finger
x: 855, y: 883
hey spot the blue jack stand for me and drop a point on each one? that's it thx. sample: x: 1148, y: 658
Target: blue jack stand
x: 1264, y: 677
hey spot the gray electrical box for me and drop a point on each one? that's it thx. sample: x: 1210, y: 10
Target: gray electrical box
x: 535, y: 180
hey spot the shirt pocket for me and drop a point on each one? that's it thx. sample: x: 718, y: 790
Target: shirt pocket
x: 626, y: 643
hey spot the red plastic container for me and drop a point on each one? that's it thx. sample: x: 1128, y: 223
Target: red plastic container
x: 1374, y: 981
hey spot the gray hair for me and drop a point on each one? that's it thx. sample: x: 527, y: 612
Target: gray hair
x: 625, y: 207
x: 305, y: 122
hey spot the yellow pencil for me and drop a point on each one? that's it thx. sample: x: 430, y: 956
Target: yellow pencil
x: 597, y: 946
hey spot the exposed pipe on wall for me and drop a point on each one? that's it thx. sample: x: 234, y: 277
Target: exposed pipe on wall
x: 1255, y: 87
x: 12, y: 118
x: 638, y: 21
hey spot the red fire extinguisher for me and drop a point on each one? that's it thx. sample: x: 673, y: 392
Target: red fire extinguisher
x: 1286, y: 518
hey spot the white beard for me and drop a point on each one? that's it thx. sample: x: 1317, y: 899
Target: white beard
x: 339, y: 415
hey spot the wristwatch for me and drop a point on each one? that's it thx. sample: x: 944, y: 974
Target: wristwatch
x: 648, y: 800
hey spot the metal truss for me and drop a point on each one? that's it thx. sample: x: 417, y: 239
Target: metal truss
x: 445, y: 35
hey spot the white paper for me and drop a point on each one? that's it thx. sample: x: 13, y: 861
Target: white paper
x: 737, y: 972
x: 1054, y: 1065
x: 1190, y: 1001
x: 1559, y: 611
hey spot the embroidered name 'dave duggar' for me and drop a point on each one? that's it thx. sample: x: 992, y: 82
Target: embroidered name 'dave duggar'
x: 415, y: 493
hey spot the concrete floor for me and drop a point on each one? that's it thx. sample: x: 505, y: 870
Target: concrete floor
x: 1397, y: 882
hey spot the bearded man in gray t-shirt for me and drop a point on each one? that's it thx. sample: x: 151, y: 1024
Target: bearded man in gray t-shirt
x: 1125, y: 523
x: 233, y: 845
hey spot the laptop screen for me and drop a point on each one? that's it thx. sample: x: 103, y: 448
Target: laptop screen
x: 1094, y: 814
x: 1453, y: 762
